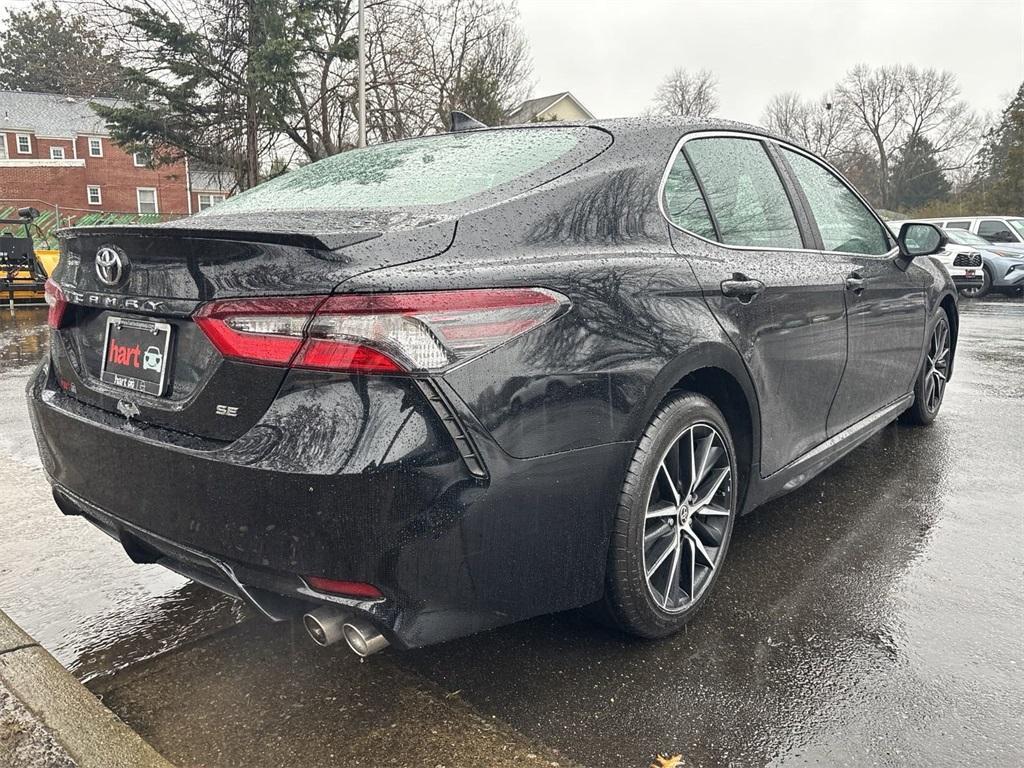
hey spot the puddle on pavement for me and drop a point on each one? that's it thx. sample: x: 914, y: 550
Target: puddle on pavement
x: 69, y: 585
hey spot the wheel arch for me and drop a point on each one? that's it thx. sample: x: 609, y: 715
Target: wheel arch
x: 716, y: 371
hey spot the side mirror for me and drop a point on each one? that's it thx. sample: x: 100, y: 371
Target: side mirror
x: 919, y: 239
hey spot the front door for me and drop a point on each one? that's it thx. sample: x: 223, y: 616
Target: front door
x: 781, y: 303
x: 885, y: 304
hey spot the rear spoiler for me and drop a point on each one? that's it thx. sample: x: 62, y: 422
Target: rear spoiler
x: 327, y: 241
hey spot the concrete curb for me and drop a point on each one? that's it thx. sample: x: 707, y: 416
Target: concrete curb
x: 92, y: 735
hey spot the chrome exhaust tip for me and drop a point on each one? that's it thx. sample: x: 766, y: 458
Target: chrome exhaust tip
x: 363, y: 638
x: 325, y: 625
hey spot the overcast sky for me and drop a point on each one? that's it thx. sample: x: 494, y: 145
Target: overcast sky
x: 613, y: 53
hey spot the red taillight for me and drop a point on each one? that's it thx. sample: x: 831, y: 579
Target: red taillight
x: 268, y: 331
x: 376, y: 333
x: 56, y: 302
x: 345, y: 588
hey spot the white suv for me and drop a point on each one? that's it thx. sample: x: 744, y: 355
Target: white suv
x: 962, y: 262
x: 995, y: 229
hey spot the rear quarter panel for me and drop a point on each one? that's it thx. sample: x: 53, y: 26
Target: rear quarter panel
x: 589, y: 377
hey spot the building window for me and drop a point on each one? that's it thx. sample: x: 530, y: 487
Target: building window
x: 56, y: 153
x: 140, y: 159
x: 24, y: 143
x: 94, y: 196
x: 95, y: 147
x: 207, y: 200
x: 3, y: 146
x: 147, y: 200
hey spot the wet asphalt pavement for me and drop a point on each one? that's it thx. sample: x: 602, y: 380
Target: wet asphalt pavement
x: 873, y: 617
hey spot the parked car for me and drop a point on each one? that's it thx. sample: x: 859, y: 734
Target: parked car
x: 1004, y: 264
x: 993, y: 229
x: 325, y: 423
x: 962, y: 262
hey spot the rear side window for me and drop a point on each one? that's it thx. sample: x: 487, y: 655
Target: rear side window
x: 684, y: 203
x: 959, y: 225
x: 845, y: 223
x: 744, y: 193
x: 433, y: 170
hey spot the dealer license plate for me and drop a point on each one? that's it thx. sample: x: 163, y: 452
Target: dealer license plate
x: 136, y: 355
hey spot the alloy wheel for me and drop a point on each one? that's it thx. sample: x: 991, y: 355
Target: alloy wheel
x: 687, y: 517
x: 937, y: 367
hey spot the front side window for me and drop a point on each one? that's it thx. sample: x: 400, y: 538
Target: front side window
x: 996, y: 231
x: 845, y: 223
x: 433, y: 170
x: 744, y: 193
x: 1018, y: 225
x: 24, y: 144
x: 684, y: 203
x: 95, y: 147
x: 147, y: 200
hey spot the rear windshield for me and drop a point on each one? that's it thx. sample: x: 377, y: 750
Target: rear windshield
x: 433, y: 170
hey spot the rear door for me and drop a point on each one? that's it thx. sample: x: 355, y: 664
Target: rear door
x: 780, y: 301
x: 885, y: 305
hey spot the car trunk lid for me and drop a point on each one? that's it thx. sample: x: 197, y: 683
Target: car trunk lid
x: 132, y: 293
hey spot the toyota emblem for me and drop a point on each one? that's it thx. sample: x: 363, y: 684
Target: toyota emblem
x: 111, y: 266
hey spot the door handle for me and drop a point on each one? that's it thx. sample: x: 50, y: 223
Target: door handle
x: 741, y: 287
x: 855, y: 283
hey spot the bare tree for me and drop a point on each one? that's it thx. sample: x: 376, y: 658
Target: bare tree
x: 691, y: 94
x: 255, y: 84
x: 821, y: 125
x: 428, y: 59
x: 898, y: 107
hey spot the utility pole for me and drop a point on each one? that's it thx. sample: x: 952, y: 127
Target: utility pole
x: 362, y: 77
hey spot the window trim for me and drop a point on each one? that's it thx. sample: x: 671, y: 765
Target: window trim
x: 768, y: 140
x: 17, y: 143
x: 88, y: 146
x: 138, y: 200
x: 136, y: 157
x: 63, y: 153
x: 99, y: 194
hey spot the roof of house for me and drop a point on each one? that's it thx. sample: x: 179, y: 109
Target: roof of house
x: 51, y: 114
x: 530, y: 108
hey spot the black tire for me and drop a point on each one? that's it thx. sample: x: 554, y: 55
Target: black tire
x: 631, y: 601
x: 930, y: 386
x: 982, y: 290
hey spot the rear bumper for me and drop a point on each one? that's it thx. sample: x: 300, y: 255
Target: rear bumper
x: 351, y: 479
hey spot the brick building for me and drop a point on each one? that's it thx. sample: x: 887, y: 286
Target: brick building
x: 55, y: 151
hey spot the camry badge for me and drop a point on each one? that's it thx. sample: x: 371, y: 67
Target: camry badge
x: 111, y: 266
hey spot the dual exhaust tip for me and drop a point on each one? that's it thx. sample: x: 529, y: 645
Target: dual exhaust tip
x: 327, y: 625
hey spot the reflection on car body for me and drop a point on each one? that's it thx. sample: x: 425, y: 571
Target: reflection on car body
x: 548, y: 368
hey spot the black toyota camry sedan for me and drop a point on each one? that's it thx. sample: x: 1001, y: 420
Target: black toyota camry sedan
x: 430, y: 387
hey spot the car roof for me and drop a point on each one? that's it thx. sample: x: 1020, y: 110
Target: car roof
x: 673, y: 126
